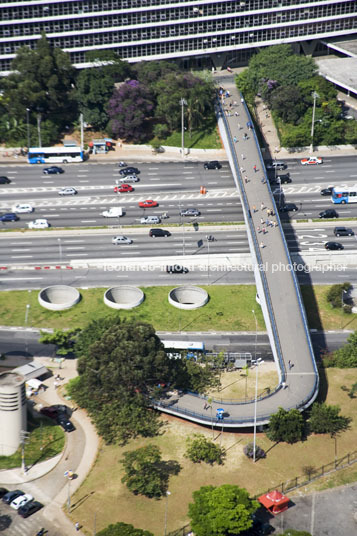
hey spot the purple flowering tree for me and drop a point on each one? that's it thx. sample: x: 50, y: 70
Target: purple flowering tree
x: 129, y: 107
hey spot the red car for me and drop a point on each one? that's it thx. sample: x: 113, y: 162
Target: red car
x: 123, y: 188
x: 149, y: 203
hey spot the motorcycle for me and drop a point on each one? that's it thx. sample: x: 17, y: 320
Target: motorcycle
x: 122, y: 164
x: 41, y: 532
x: 164, y: 216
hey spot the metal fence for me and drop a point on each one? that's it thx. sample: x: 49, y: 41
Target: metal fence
x: 314, y: 474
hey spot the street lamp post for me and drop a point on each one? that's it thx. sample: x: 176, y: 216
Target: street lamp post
x: 166, y: 508
x: 314, y: 96
x: 28, y: 127
x: 60, y: 255
x: 208, y: 259
x: 27, y: 312
x: 256, y: 386
x: 39, y: 130
x: 69, y: 475
x: 183, y: 103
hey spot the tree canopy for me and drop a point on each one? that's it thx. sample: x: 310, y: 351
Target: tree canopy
x: 346, y: 356
x: 325, y: 419
x: 123, y: 529
x: 221, y: 511
x: 287, y: 426
x: 200, y: 449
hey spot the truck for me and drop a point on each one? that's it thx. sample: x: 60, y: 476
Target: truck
x: 113, y: 212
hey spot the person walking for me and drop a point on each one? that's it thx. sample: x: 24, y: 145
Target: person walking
x: 242, y: 155
x: 261, y: 245
x: 258, y: 229
x: 235, y: 139
x: 262, y: 206
x: 261, y: 221
x: 254, y: 209
x: 255, y: 169
x: 76, y: 526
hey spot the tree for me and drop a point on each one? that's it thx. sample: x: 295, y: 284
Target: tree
x: 325, y: 419
x: 130, y: 105
x: 346, y: 357
x: 123, y: 529
x: 286, y: 102
x: 286, y: 426
x: 201, y: 449
x: 63, y: 339
x: 150, y: 72
x: 221, y: 511
x: 146, y: 473
x: 335, y: 292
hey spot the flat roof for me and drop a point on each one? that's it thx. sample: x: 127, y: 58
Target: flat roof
x: 339, y: 71
x: 342, y: 44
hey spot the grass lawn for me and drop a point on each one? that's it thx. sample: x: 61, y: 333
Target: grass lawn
x: 103, y: 486
x: 205, y: 139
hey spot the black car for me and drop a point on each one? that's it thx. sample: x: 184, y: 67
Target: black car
x: 12, y: 495
x: 176, y: 269
x: 327, y: 191
x: 53, y: 170
x: 159, y: 232
x: 129, y: 171
x: 3, y: 492
x: 29, y: 508
x: 281, y: 179
x: 328, y: 213
x: 9, y: 216
x: 212, y: 164
x: 343, y: 231
x: 4, y: 180
x: 65, y: 423
x: 289, y: 207
x: 333, y: 246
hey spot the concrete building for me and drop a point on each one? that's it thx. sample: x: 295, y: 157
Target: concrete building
x: 204, y: 33
x: 13, y: 417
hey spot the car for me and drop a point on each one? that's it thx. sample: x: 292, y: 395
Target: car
x: 212, y: 164
x: 176, y: 269
x: 129, y: 171
x: 66, y: 424
x: 333, y: 245
x: 276, y: 164
x: 21, y: 500
x: 129, y: 178
x: 326, y: 191
x: 50, y: 412
x: 159, y: 232
x: 3, y: 492
x: 22, y: 208
x: 120, y: 239
x: 328, y: 213
x: 68, y: 190
x: 29, y: 508
x: 9, y: 216
x: 284, y: 179
x: 123, y: 188
x: 311, y: 161
x: 4, y: 180
x: 12, y: 495
x: 148, y: 203
x: 190, y: 212
x: 343, y: 231
x: 38, y: 224
x: 289, y: 207
x: 150, y: 219
x: 53, y: 170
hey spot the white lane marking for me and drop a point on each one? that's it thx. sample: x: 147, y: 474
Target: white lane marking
x: 21, y: 243
x: 21, y: 256
x: 23, y: 278
x: 22, y: 250
x: 88, y: 221
x: 74, y: 247
x: 122, y: 276
x: 73, y: 241
x: 51, y: 215
x: 77, y: 254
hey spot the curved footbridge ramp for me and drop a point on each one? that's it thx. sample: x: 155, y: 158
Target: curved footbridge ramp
x: 277, y: 287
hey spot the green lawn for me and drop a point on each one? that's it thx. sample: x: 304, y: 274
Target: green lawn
x: 207, y: 139
x: 229, y: 308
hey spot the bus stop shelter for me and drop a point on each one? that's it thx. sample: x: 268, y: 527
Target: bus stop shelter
x: 101, y: 146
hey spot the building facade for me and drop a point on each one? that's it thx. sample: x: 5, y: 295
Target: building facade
x: 202, y: 33
x: 13, y: 416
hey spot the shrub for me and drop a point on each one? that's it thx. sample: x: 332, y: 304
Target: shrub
x: 201, y: 449
x: 249, y: 451
x: 334, y: 294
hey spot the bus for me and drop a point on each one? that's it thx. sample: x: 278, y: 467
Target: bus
x: 184, y: 345
x: 344, y: 195
x: 55, y: 155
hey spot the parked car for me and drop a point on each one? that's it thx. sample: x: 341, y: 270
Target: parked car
x: 53, y: 170
x: 38, y: 224
x: 150, y: 219
x: 9, y: 216
x: 129, y: 171
x: 159, y: 232
x: 66, y: 424
x: 68, y: 190
x: 3, y: 492
x: 29, y: 508
x: 333, y: 246
x: 50, y: 412
x: 176, y: 269
x: 120, y: 239
x: 288, y: 207
x: 129, y: 178
x: 276, y: 164
x: 343, y: 231
x: 311, y: 161
x: 328, y: 213
x: 21, y: 500
x: 11, y: 495
x: 123, y: 188
x: 22, y: 208
x: 4, y: 180
x: 190, y: 212
x: 148, y: 203
x: 327, y: 191
x: 212, y: 164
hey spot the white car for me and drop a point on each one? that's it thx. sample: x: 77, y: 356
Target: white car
x: 150, y: 219
x: 22, y: 208
x: 67, y: 191
x: 129, y: 178
x: 21, y: 501
x: 114, y: 212
x: 38, y: 224
x: 311, y: 161
x: 121, y: 240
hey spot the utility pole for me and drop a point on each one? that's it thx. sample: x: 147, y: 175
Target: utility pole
x: 28, y: 127
x: 82, y: 135
x: 24, y: 437
x: 314, y: 96
x: 183, y: 103
x: 39, y: 129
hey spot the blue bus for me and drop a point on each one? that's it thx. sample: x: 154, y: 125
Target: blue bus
x: 344, y: 195
x: 55, y: 155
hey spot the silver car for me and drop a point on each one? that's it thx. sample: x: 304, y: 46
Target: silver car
x: 67, y: 191
x: 150, y: 219
x: 120, y: 239
x: 129, y: 178
x: 190, y: 212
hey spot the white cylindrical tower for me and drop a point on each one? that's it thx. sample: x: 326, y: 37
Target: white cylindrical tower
x: 13, y: 417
